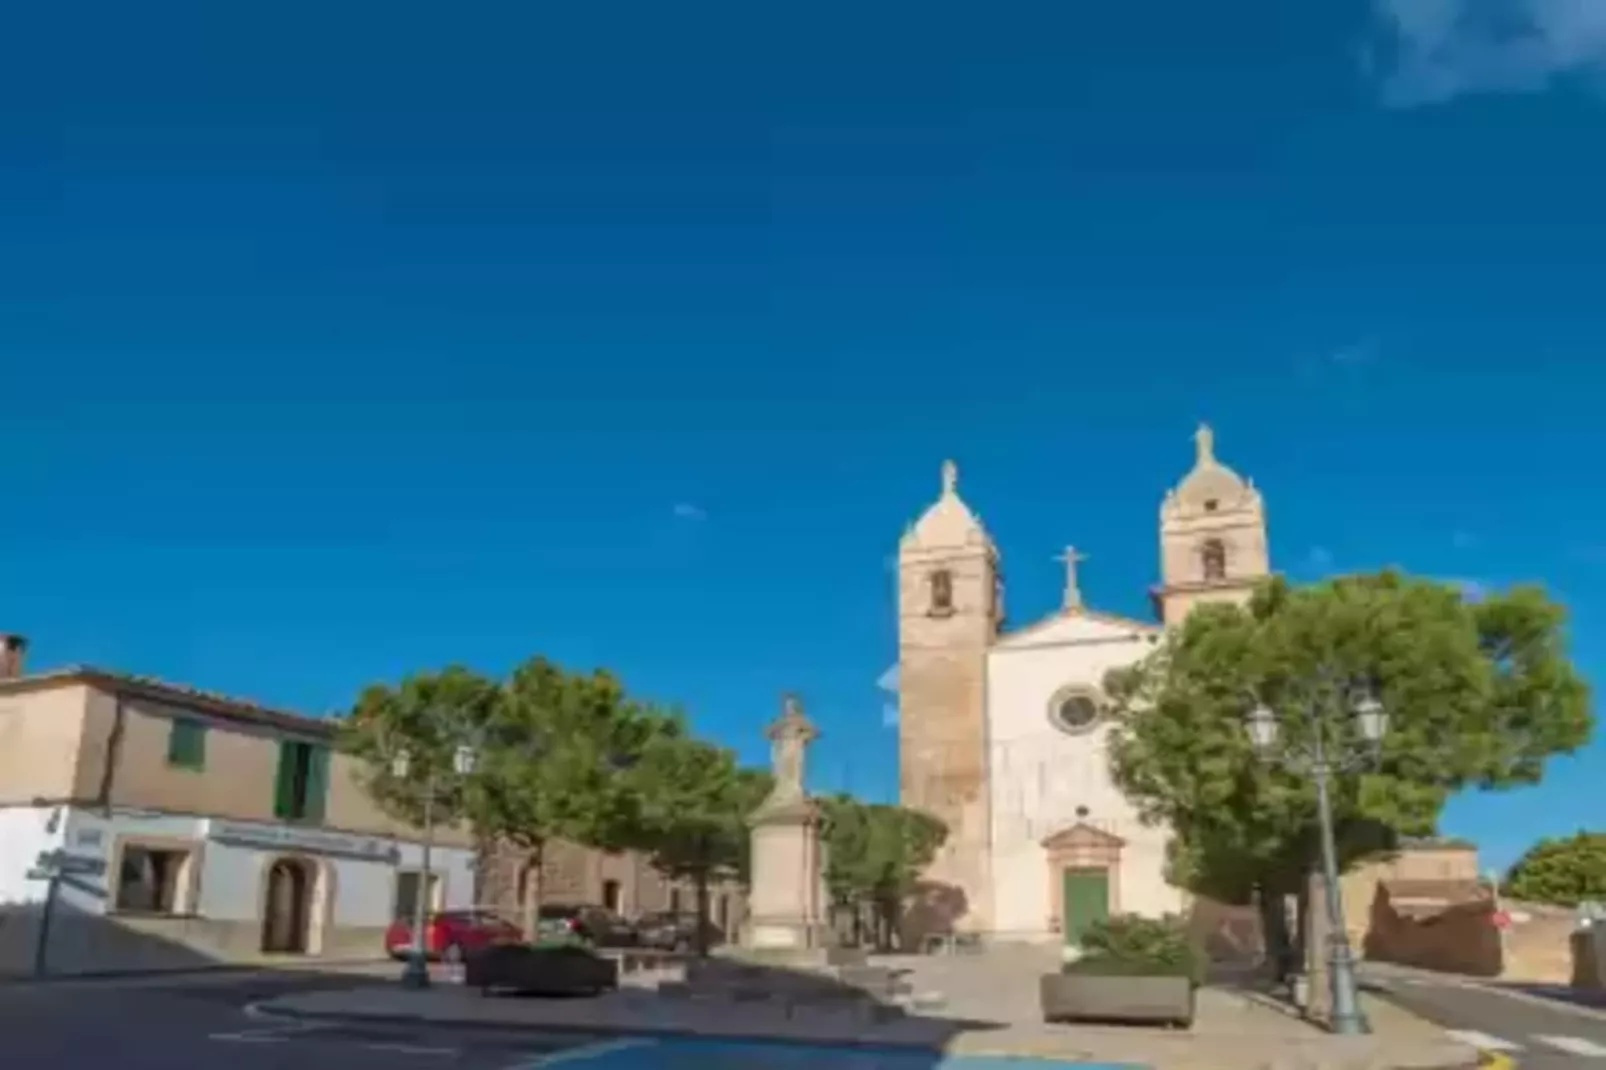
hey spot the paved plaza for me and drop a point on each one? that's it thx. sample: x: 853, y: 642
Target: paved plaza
x: 968, y: 1011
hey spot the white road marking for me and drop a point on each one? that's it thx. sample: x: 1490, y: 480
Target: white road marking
x: 1482, y: 1041
x: 1574, y: 1046
x: 411, y: 1049
x: 584, y: 1052
x: 270, y: 1035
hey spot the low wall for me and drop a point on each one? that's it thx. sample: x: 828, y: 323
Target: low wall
x: 1461, y: 938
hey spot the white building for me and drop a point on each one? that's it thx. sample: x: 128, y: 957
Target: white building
x: 1001, y: 734
x: 198, y: 828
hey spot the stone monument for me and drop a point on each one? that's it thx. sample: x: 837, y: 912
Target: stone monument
x: 787, y: 904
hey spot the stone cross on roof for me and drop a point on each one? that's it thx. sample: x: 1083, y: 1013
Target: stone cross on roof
x: 1073, y: 591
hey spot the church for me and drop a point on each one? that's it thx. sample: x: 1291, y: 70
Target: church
x: 1002, y: 733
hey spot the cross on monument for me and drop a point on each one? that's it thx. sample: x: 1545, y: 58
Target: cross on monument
x: 1073, y: 593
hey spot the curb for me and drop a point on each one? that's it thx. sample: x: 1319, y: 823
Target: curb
x: 266, y: 1011
x: 217, y: 969
x: 1386, y: 986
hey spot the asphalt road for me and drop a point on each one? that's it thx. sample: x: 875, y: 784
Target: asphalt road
x: 195, y: 1024
x: 1537, y: 1033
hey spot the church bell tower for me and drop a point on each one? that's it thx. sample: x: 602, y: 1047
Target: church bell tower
x: 950, y: 608
x: 1212, y: 537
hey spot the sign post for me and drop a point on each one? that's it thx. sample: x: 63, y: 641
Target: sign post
x: 47, y: 867
x: 51, y: 867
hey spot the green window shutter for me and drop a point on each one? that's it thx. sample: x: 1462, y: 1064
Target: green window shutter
x: 284, y: 784
x: 186, y: 744
x: 317, y: 782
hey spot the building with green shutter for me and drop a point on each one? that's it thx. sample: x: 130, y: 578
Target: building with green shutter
x: 170, y: 826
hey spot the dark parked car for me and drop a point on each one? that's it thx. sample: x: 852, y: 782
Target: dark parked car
x: 593, y: 926
x: 670, y: 931
x: 451, y: 935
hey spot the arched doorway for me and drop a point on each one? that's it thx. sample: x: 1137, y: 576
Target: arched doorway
x: 287, y: 906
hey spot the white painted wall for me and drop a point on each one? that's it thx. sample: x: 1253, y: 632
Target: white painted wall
x: 231, y: 875
x: 22, y: 838
x: 1039, y: 775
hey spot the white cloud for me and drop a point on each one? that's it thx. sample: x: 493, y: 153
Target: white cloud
x: 1320, y: 558
x: 1465, y: 540
x: 1442, y: 49
x: 688, y: 511
x: 889, y: 715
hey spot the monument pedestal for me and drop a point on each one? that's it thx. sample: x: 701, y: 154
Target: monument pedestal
x: 785, y: 911
x: 787, y: 904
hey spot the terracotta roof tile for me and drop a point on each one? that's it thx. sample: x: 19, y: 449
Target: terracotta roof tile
x: 134, y: 685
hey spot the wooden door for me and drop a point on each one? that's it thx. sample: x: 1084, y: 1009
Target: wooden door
x: 1084, y: 899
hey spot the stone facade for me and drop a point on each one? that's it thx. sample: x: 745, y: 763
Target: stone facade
x: 574, y: 874
x: 1212, y: 537
x: 949, y: 612
x: 978, y: 742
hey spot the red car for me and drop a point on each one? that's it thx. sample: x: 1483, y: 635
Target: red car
x: 450, y: 935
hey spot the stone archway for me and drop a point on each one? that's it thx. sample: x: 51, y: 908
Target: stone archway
x: 292, y: 892
x: 1082, y: 860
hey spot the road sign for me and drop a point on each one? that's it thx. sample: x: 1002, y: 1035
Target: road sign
x: 40, y: 874
x: 63, y: 863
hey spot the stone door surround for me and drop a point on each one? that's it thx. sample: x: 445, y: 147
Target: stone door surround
x: 1081, y: 846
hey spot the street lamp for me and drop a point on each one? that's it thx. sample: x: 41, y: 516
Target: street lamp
x: 1333, y: 693
x: 415, y: 974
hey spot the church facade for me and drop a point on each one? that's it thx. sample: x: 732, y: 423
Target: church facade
x: 1002, y: 734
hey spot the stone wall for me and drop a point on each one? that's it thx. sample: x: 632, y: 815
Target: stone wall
x: 1449, y: 936
x: 574, y: 874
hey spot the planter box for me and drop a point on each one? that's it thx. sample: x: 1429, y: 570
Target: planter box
x: 547, y: 971
x: 1090, y: 997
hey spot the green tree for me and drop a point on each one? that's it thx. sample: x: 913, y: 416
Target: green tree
x: 1479, y: 694
x: 692, y: 803
x: 875, y: 853
x: 555, y: 761
x: 427, y: 716
x: 1565, y: 872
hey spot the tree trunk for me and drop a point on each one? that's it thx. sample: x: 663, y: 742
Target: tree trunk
x: 1273, y: 909
x: 1302, y: 908
x: 535, y: 866
x: 700, y: 931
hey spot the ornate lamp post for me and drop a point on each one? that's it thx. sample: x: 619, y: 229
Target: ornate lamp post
x: 415, y: 974
x: 1321, y: 757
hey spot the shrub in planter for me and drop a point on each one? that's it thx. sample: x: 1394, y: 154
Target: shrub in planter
x: 1131, y: 946
x: 1133, y: 969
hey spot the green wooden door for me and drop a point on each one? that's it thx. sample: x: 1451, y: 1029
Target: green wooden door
x: 1084, y: 899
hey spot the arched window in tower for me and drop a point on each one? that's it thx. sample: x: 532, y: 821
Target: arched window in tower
x: 942, y: 593
x: 1213, y: 555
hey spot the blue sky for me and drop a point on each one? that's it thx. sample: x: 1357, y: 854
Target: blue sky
x: 343, y: 340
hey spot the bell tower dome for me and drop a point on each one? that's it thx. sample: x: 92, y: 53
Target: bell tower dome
x: 1212, y: 536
